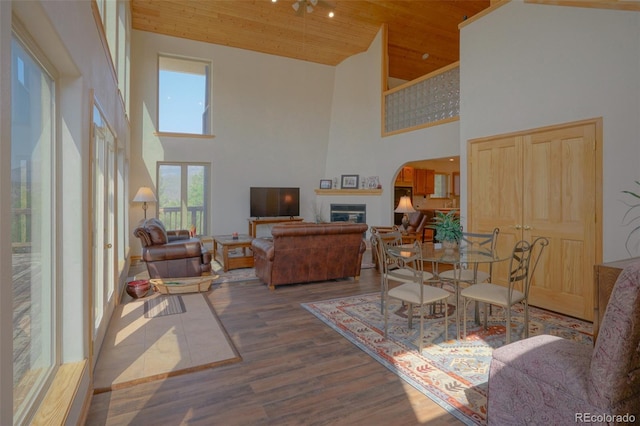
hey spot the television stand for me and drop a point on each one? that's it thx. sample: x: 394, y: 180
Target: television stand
x: 254, y: 222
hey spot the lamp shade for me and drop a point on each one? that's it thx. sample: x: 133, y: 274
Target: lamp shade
x: 145, y: 195
x: 405, y: 206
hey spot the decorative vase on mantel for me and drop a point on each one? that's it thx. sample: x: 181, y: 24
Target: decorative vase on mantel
x: 449, y: 246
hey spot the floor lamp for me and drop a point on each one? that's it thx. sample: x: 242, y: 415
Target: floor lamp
x: 145, y: 195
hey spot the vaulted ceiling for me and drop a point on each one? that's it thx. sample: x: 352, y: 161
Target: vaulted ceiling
x: 415, y: 27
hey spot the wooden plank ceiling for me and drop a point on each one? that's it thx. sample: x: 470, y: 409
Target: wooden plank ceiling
x: 415, y: 27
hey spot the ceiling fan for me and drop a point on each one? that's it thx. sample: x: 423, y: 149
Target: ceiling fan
x: 301, y: 6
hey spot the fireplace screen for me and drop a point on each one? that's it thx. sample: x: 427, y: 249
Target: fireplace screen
x: 356, y: 213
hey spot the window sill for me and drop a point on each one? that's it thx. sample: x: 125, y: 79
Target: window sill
x: 183, y: 135
x: 54, y: 410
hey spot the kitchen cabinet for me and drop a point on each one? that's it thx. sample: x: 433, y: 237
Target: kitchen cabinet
x: 405, y: 177
x: 423, y: 181
x: 543, y: 183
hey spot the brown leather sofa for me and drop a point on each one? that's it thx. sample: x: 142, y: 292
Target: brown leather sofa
x: 308, y: 252
x: 171, y: 254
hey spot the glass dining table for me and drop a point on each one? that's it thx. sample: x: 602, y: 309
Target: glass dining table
x: 459, y: 258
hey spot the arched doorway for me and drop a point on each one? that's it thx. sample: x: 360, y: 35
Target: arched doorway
x: 432, y: 184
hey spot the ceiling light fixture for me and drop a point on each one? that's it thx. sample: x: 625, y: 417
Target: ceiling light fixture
x: 307, y: 5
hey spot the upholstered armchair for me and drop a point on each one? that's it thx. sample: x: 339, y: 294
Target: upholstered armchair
x: 550, y: 380
x: 171, y: 254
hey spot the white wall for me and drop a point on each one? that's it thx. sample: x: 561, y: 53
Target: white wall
x: 355, y: 144
x: 525, y: 66
x: 271, y: 125
x: 278, y: 122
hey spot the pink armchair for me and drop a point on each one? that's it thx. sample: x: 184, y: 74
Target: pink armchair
x: 550, y: 380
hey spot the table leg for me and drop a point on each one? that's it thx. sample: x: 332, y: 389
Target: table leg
x: 225, y: 258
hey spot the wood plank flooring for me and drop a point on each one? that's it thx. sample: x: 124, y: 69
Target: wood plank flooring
x: 295, y: 370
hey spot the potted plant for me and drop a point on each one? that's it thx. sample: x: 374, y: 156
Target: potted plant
x: 448, y: 228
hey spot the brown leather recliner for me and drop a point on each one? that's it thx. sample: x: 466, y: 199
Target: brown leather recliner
x: 171, y: 254
x: 307, y: 252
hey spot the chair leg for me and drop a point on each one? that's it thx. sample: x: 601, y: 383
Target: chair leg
x: 526, y: 319
x: 508, y: 308
x: 487, y: 307
x: 386, y: 316
x: 446, y: 321
x: 421, y: 334
x: 464, y: 318
x: 410, y: 313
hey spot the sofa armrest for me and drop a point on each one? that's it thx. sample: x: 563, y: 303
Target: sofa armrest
x: 263, y: 247
x: 180, y: 234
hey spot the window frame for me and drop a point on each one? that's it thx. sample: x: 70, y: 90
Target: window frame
x: 207, y: 129
x: 206, y: 213
x: 41, y: 385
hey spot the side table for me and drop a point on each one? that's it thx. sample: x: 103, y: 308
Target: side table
x: 227, y: 243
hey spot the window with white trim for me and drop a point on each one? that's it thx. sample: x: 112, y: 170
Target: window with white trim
x: 33, y: 224
x: 184, y: 96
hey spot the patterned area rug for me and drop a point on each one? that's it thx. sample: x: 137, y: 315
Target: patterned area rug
x: 452, y: 373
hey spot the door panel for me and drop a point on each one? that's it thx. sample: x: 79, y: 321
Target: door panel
x: 542, y: 183
x: 559, y: 203
x: 496, y: 194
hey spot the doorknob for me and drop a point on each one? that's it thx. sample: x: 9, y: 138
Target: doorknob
x: 518, y: 226
x: 108, y: 246
x: 527, y: 228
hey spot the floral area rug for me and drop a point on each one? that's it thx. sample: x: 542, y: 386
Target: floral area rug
x: 452, y: 373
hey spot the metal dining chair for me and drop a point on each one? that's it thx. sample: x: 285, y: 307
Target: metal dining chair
x: 379, y: 243
x: 472, y: 241
x: 521, y: 272
x: 415, y: 290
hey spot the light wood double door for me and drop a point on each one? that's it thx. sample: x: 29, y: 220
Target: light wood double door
x: 545, y: 182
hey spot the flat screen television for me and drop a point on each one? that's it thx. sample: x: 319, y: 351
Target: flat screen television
x: 275, y: 202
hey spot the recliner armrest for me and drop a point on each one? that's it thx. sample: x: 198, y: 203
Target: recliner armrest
x: 174, y: 250
x: 180, y: 234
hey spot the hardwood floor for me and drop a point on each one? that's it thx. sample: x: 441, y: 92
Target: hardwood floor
x: 295, y: 370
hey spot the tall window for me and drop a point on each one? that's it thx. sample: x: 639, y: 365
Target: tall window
x: 183, y: 193
x: 183, y: 96
x: 32, y: 226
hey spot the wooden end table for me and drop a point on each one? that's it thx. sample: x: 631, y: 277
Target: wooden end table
x: 227, y: 243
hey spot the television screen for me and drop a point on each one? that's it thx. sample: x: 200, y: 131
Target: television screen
x: 274, y: 202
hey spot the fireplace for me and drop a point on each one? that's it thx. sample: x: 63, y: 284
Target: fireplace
x: 356, y: 213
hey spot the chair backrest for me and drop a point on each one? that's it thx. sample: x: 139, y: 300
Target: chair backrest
x: 405, y: 259
x: 480, y: 241
x: 521, y: 267
x: 614, y: 381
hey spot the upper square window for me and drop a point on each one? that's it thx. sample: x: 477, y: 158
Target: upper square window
x: 183, y: 96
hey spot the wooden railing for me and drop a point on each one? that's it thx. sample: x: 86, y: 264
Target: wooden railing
x: 171, y: 217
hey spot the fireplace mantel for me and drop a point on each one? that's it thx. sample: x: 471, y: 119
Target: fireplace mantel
x: 348, y: 191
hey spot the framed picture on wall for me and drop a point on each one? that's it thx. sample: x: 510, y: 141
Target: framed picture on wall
x: 325, y: 183
x: 349, y: 181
